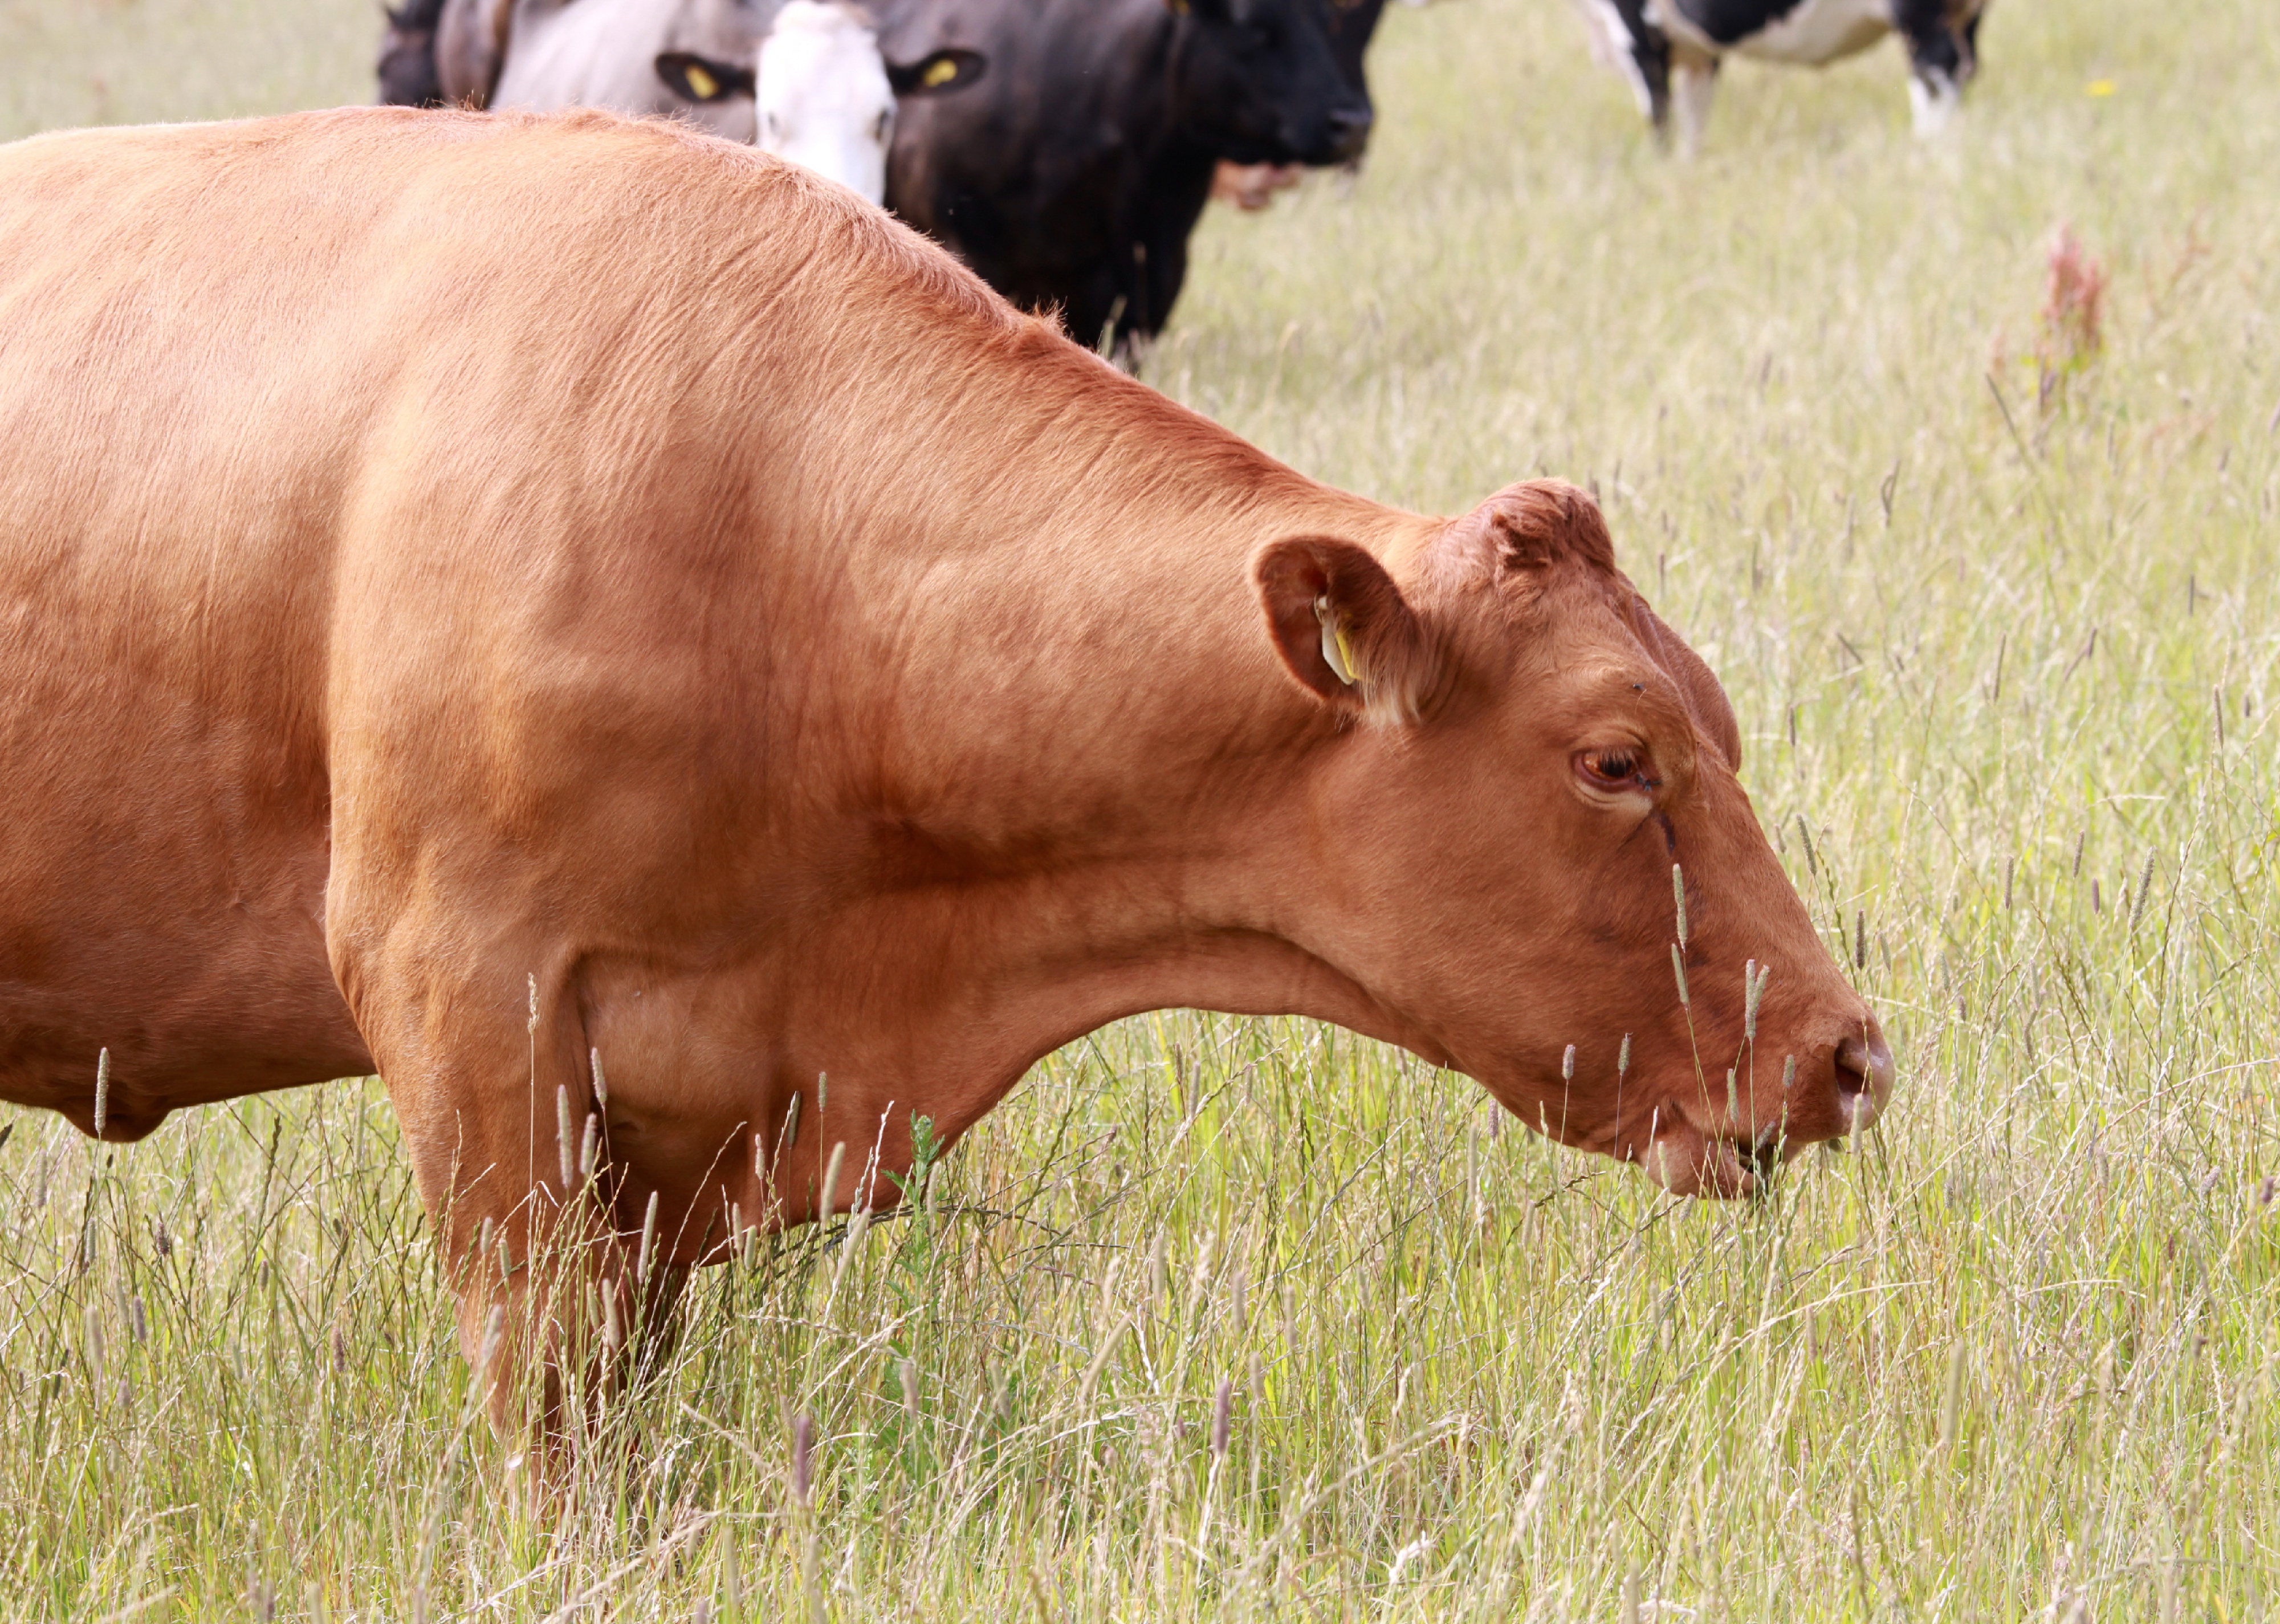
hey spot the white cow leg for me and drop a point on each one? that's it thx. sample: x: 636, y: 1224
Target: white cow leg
x: 1693, y: 76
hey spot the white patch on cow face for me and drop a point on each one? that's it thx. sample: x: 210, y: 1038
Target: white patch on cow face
x: 823, y: 99
x: 1933, y: 99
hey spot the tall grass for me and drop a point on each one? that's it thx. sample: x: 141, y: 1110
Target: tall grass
x: 1247, y: 1319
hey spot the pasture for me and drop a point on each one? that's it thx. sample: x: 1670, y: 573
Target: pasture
x: 1236, y: 1318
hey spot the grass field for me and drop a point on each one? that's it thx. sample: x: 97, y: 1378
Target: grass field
x: 1235, y: 1319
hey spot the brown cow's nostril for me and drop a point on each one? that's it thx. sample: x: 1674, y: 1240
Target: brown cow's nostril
x: 1852, y: 1066
x: 1864, y: 1073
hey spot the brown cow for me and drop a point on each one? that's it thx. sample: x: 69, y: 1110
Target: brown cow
x: 485, y: 593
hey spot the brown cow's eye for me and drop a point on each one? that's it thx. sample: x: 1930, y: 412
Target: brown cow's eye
x: 1611, y: 769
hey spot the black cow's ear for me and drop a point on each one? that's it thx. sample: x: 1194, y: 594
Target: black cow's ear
x: 701, y: 79
x: 931, y: 75
x: 1341, y: 627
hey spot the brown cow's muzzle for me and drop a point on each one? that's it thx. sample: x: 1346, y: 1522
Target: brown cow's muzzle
x: 1705, y: 1152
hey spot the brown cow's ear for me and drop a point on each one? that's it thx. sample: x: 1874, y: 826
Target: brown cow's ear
x: 1343, y: 628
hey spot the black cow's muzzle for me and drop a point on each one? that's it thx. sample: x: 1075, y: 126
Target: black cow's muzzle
x: 1346, y: 132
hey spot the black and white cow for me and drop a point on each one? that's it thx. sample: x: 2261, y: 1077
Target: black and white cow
x: 803, y: 78
x: 1071, y: 178
x: 1669, y: 49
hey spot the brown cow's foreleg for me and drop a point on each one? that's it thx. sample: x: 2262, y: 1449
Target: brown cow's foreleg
x: 567, y: 1306
x: 558, y: 1297
x: 548, y: 1315
x: 538, y: 1282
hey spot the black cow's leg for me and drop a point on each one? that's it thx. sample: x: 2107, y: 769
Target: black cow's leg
x: 408, y: 74
x: 1942, y: 58
x: 1096, y: 313
x: 1160, y: 268
x: 1649, y: 54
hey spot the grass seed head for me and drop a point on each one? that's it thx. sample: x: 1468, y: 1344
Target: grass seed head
x: 827, y: 1197
x: 803, y: 1443
x: 648, y: 1254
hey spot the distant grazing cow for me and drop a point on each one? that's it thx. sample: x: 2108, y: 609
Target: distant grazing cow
x: 1669, y: 49
x: 1071, y: 178
x: 803, y: 80
x: 1253, y: 186
x: 607, y: 678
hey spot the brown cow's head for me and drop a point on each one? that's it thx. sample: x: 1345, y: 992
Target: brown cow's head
x: 1532, y: 752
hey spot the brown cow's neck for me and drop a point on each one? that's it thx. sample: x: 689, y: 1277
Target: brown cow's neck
x: 1098, y: 805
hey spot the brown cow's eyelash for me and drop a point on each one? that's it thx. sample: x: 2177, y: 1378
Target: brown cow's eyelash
x: 1611, y: 767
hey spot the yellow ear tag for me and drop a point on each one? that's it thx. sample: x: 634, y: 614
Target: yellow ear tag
x: 702, y: 83
x: 1337, y: 654
x: 939, y: 73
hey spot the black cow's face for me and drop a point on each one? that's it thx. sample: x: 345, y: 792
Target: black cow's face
x: 1256, y: 79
